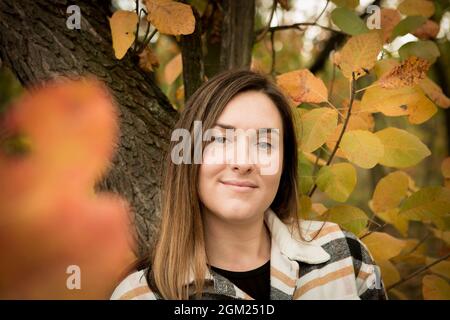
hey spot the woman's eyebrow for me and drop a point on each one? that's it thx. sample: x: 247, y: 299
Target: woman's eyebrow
x: 226, y: 126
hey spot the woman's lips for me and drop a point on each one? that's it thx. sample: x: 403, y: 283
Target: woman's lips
x: 241, y: 186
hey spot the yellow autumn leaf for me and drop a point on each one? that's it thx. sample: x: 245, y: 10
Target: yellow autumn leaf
x: 389, y: 191
x: 392, y: 216
x: 316, y: 126
x: 423, y: 8
x: 435, y: 93
x: 357, y: 112
x: 389, y: 19
x: 123, y: 28
x: 337, y: 180
x: 389, y: 272
x: 409, y: 101
x: 173, y: 69
x: 348, y: 217
x: 359, y: 54
x: 303, y: 86
x: 435, y: 288
x: 171, y: 17
x: 355, y: 123
x: 362, y: 148
x: 401, y: 148
x: 441, y: 268
x: 383, y: 246
x: 384, y: 66
x: 319, y: 208
x: 407, y: 74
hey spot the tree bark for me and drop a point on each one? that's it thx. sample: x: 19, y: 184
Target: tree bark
x: 193, y: 66
x: 36, y: 44
x: 237, y: 34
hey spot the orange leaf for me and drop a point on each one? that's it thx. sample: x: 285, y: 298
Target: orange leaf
x: 303, y: 86
x: 407, y: 74
x: 123, y: 27
x: 428, y: 30
x: 171, y: 17
x: 389, y: 19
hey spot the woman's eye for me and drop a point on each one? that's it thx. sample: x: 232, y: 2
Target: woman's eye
x: 220, y: 139
x: 264, y: 145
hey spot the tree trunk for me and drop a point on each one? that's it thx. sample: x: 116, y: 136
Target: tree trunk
x: 36, y: 44
x: 237, y: 34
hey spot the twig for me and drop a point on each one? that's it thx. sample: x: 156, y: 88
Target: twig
x: 368, y: 87
x: 333, y: 77
x: 347, y: 118
x: 417, y: 272
x: 381, y: 227
x: 299, y: 25
x: 420, y: 242
x: 272, y: 47
x: 147, y: 40
x: 322, y: 12
x: 266, y: 29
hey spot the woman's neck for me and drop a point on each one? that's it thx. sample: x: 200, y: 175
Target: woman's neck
x: 236, y: 246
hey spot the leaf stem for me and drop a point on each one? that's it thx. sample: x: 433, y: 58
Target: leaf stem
x: 347, y: 118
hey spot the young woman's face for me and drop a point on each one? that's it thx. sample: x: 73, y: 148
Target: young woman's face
x: 241, y: 168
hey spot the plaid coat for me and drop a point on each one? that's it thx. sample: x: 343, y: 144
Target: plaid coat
x: 335, y: 265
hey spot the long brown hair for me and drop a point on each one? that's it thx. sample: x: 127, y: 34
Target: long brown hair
x: 180, y: 243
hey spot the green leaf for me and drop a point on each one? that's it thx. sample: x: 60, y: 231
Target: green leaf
x: 348, y: 217
x: 407, y: 25
x: 348, y: 21
x: 427, y: 203
x: 337, y: 180
x: 401, y: 148
x: 425, y: 49
x: 305, y: 170
x: 362, y: 148
x: 351, y: 4
x: 316, y: 126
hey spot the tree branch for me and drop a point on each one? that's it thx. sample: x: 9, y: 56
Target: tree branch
x: 341, y: 134
x: 417, y: 272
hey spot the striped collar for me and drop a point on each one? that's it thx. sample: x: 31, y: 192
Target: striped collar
x: 286, y: 250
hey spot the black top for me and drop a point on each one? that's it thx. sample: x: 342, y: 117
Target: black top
x: 254, y: 282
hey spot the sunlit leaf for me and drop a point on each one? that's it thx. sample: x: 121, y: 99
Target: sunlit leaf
x: 362, y: 148
x: 383, y: 246
x: 123, y: 28
x: 390, y: 190
x: 303, y: 86
x: 337, y: 180
x: 171, y: 17
x: 348, y: 217
x: 359, y: 54
x: 316, y: 126
x: 401, y: 148
x: 408, y: 73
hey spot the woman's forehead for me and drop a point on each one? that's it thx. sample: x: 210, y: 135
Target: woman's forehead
x: 250, y: 110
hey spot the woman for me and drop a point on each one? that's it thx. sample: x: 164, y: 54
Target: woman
x: 229, y: 227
